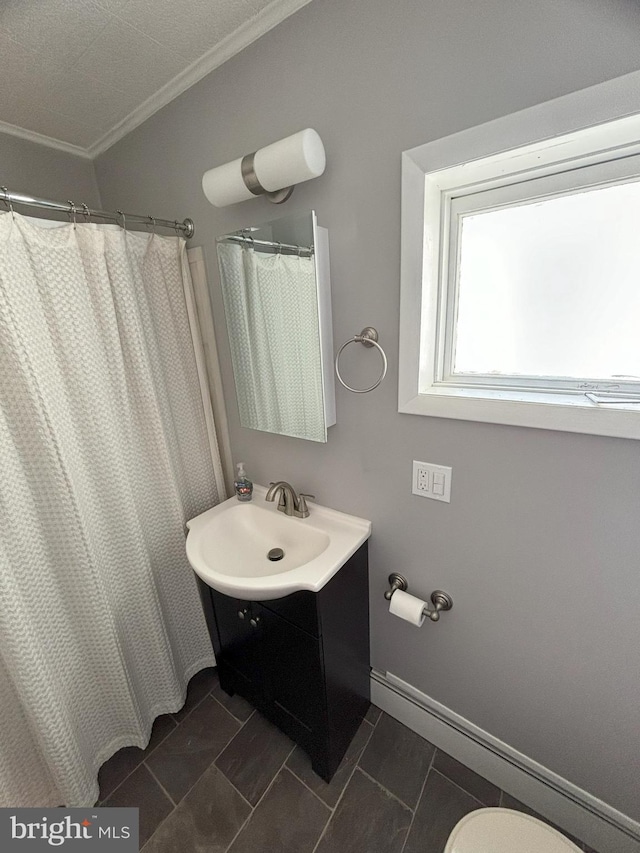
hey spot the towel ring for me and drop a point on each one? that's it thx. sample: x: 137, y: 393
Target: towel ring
x: 369, y: 338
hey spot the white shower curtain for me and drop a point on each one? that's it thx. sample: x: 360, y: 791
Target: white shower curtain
x: 105, y: 454
x: 272, y: 316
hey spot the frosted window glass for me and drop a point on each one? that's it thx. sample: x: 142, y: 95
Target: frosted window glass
x: 552, y: 288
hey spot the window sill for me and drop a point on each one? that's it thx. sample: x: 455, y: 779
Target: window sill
x: 538, y: 410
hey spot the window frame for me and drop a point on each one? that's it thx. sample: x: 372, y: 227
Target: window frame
x: 569, y: 138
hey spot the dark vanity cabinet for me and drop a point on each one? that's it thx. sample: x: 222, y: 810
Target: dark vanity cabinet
x: 302, y: 661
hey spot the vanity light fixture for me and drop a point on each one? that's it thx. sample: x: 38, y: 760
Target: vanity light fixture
x: 272, y: 171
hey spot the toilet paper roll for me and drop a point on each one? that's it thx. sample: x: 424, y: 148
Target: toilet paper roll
x: 408, y: 607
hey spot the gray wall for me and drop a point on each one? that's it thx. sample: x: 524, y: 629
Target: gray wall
x: 539, y: 546
x: 36, y: 170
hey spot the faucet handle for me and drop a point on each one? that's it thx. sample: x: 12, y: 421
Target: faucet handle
x: 302, y: 510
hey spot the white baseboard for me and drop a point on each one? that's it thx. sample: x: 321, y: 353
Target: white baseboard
x: 575, y: 810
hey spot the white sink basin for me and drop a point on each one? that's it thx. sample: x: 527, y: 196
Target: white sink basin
x: 227, y: 547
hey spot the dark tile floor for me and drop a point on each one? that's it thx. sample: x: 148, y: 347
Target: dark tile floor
x: 218, y: 777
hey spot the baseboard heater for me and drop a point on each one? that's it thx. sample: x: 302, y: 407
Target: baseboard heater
x: 600, y: 825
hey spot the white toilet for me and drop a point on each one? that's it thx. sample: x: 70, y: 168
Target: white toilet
x: 506, y: 831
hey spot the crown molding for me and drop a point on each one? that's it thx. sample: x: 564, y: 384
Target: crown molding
x: 238, y: 40
x: 41, y: 139
x: 250, y: 31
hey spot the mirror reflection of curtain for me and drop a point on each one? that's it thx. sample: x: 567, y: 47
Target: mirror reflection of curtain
x: 105, y: 455
x: 272, y: 317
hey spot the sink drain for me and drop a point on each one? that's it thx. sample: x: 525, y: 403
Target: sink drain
x: 275, y: 554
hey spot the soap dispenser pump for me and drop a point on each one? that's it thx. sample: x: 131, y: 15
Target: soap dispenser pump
x: 243, y: 485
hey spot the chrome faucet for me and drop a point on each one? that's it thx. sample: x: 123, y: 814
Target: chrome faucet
x: 290, y: 503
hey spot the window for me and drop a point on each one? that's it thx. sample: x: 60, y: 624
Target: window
x: 546, y: 291
x: 521, y: 273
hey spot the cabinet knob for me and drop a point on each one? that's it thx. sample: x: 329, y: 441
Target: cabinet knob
x: 242, y: 613
x: 255, y: 622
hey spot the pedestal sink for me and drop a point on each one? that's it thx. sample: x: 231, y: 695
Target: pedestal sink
x: 228, y: 547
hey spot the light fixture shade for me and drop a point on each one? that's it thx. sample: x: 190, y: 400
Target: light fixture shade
x: 289, y: 161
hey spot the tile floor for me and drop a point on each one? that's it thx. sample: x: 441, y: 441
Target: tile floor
x: 218, y: 777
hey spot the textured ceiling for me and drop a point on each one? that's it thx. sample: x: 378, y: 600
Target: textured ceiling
x: 85, y: 72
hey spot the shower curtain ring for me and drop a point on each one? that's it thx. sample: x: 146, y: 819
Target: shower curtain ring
x: 7, y: 200
x: 153, y: 223
x: 124, y: 220
x: 176, y: 226
x: 72, y: 212
x: 86, y: 213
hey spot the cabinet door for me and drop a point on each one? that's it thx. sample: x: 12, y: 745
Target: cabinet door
x: 299, y: 608
x: 239, y: 641
x: 292, y: 661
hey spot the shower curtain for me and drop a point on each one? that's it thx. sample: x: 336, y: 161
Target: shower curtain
x: 272, y: 315
x: 105, y: 455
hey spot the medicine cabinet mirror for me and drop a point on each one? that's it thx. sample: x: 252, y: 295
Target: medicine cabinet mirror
x: 277, y: 299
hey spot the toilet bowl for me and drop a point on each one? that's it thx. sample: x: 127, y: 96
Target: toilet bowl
x: 506, y: 831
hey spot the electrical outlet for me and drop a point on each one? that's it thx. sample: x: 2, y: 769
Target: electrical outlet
x: 423, y: 479
x: 432, y: 481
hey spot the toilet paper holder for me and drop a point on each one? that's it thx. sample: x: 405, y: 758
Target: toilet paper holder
x: 440, y: 600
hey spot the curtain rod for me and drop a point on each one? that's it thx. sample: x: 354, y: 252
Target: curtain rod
x: 273, y: 244
x: 9, y: 197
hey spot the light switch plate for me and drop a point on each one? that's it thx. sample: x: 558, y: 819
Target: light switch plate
x: 432, y: 481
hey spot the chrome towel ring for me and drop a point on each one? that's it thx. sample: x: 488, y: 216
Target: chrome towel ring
x: 369, y: 337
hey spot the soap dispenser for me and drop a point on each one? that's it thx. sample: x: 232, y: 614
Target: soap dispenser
x: 243, y: 485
